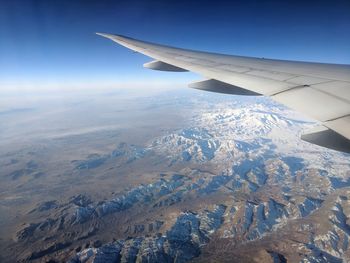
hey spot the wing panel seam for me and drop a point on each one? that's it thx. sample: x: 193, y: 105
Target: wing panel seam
x: 337, y: 118
x: 289, y: 89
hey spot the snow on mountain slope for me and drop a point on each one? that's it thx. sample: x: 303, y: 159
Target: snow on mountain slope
x: 232, y: 132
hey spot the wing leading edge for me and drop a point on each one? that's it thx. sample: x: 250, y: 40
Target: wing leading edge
x: 321, y: 91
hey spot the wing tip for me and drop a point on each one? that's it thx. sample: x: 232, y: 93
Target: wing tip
x: 105, y: 35
x: 115, y: 37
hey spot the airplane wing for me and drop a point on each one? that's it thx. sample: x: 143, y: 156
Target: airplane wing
x: 321, y: 91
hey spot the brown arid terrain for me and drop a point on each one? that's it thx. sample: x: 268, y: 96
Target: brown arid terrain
x: 173, y: 176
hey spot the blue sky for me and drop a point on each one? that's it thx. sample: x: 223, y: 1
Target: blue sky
x: 54, y: 41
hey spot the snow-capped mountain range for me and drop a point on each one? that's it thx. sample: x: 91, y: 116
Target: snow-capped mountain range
x: 246, y: 179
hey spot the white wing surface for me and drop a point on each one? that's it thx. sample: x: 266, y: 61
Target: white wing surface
x: 321, y: 91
